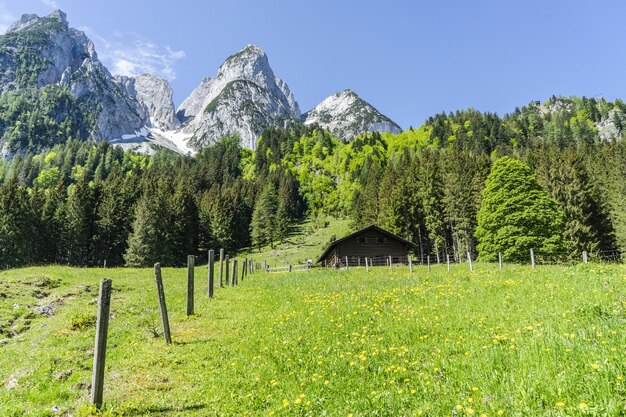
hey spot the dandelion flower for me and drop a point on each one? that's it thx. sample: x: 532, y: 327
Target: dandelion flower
x: 560, y: 404
x: 583, y: 405
x: 595, y: 365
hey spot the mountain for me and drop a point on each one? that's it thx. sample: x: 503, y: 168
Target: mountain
x: 155, y: 94
x: 54, y: 88
x: 346, y: 115
x: 44, y: 53
x: 244, y: 98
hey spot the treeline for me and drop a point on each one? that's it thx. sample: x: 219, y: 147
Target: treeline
x: 81, y: 203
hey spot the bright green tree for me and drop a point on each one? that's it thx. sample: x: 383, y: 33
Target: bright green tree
x: 517, y: 215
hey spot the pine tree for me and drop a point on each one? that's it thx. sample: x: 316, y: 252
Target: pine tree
x: 17, y: 226
x: 80, y: 223
x: 262, y: 228
x: 564, y: 174
x: 430, y: 190
x: 113, y: 224
x: 517, y: 215
x: 182, y: 234
x: 146, y: 244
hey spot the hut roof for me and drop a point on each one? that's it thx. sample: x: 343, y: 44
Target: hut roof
x: 371, y: 227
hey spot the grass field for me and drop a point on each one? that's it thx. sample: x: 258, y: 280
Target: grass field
x: 517, y: 342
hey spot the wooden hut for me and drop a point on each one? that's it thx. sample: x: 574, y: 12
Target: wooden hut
x: 372, y: 242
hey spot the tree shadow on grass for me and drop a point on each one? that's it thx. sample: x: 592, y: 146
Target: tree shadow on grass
x: 156, y: 409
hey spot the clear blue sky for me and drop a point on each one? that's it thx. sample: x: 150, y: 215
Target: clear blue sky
x: 410, y: 59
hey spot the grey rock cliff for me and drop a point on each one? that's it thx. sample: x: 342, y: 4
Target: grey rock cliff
x: 155, y: 95
x: 346, y: 115
x: 39, y: 51
x: 243, y: 98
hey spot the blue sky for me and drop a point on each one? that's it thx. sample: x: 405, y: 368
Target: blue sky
x: 410, y: 59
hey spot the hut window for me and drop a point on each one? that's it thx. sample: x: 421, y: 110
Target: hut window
x: 379, y: 240
x: 362, y: 240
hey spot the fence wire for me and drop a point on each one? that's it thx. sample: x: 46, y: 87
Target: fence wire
x: 565, y: 258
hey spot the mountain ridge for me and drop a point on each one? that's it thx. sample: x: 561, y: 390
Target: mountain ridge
x: 243, y: 98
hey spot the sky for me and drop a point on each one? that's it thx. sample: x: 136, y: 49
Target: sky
x: 410, y: 59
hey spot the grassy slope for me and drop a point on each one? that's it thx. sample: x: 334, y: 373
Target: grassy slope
x: 306, y: 241
x: 335, y: 342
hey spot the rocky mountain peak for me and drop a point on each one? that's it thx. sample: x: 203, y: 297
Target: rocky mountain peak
x: 41, y: 52
x: 243, y: 98
x: 346, y: 115
x: 31, y: 20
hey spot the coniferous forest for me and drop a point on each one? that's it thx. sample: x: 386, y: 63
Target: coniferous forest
x: 448, y: 186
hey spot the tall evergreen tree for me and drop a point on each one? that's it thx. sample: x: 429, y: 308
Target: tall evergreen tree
x: 80, y: 223
x: 147, y: 243
x: 262, y: 228
x: 517, y: 215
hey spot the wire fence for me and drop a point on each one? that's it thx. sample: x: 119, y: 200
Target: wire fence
x: 533, y: 258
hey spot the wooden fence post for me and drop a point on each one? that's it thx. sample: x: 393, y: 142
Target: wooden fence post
x: 358, y: 262
x: 469, y: 258
x: 428, y: 260
x: 244, y: 269
x: 289, y: 267
x: 161, y: 292
x: 500, y: 259
x: 226, y: 271
x: 585, y: 259
x: 390, y: 266
x: 99, y: 354
x: 221, y: 271
x: 233, y: 279
x: 367, y: 267
x: 410, y: 264
x: 190, y: 283
x: 211, y: 268
x: 264, y: 265
x: 532, y: 258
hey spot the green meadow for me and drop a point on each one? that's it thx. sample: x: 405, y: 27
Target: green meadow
x: 517, y: 342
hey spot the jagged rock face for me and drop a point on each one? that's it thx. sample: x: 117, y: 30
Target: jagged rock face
x: 39, y: 51
x: 244, y: 98
x: 610, y: 129
x: 346, y: 115
x: 155, y: 95
x: 193, y: 104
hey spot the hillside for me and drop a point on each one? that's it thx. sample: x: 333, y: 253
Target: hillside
x: 512, y: 342
x: 306, y: 240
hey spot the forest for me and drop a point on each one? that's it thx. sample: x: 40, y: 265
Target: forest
x: 444, y: 185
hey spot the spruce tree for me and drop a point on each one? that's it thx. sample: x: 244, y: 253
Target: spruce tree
x: 80, y: 223
x: 146, y: 244
x: 262, y: 227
